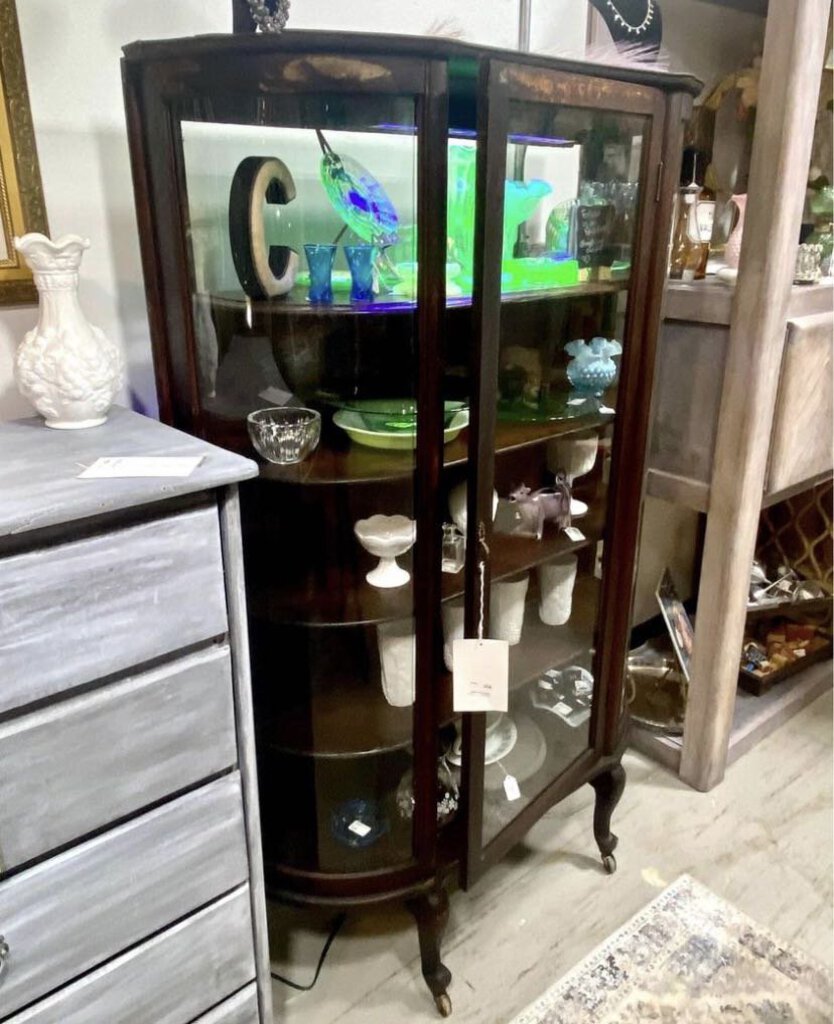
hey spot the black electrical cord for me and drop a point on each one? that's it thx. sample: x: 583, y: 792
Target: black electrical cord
x: 334, y: 931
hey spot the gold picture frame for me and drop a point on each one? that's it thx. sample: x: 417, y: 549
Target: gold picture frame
x: 21, y: 193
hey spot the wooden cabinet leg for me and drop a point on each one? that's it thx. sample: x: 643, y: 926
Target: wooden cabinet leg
x: 431, y: 912
x: 608, y: 786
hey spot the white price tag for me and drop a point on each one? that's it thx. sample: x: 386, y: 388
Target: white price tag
x: 359, y: 828
x: 480, y: 680
x: 562, y: 708
x: 136, y: 466
x: 574, y: 533
x: 577, y: 401
x: 606, y: 410
x: 511, y: 788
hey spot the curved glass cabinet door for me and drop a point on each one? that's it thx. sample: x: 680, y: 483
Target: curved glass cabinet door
x: 572, y: 190
x: 280, y: 194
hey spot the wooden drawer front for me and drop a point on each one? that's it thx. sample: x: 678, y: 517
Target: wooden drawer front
x: 168, y: 980
x: 71, y: 768
x: 76, y: 612
x: 800, y: 445
x: 240, y: 1009
x: 72, y: 912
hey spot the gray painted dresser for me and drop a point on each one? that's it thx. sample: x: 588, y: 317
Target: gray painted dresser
x: 131, y: 888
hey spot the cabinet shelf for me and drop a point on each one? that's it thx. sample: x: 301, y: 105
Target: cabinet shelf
x: 810, y: 606
x: 351, y: 718
x: 348, y: 463
x: 342, y: 597
x: 543, y: 647
x: 295, y: 303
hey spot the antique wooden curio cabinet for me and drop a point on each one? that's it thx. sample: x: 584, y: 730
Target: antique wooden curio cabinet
x: 454, y: 256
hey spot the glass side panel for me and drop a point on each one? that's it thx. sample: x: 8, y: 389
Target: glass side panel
x: 570, y: 205
x: 294, y: 226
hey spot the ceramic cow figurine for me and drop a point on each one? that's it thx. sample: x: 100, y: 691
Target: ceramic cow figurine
x: 535, y: 508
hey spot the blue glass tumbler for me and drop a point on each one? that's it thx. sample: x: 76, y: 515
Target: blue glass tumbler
x: 320, y: 261
x: 360, y: 259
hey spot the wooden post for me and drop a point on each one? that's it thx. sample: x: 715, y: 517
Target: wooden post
x: 790, y: 80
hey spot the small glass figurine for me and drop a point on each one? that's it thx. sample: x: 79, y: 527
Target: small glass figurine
x: 320, y: 261
x: 592, y: 370
x: 360, y: 259
x: 454, y: 550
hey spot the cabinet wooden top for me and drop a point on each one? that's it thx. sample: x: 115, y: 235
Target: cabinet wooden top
x: 39, y: 467
x: 390, y: 45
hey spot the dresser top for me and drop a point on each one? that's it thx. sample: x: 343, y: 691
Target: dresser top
x: 39, y: 469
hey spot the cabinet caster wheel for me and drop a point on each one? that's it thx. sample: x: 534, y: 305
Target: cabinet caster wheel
x: 609, y: 862
x: 444, y: 1005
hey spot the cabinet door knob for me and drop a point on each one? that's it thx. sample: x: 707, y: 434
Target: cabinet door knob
x: 4, y: 952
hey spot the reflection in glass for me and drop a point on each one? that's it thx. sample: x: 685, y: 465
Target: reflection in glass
x: 331, y: 614
x: 565, y: 282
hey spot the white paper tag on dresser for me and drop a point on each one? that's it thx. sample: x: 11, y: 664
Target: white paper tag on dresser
x: 480, y: 680
x: 511, y: 789
x: 141, y: 465
x: 575, y: 534
x: 576, y: 401
x: 359, y: 828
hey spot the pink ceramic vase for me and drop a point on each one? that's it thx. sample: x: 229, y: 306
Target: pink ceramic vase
x: 732, y: 250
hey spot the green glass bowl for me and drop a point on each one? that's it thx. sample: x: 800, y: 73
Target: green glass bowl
x: 388, y: 415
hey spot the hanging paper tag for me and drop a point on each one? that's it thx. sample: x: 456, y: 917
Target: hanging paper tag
x: 359, y: 828
x: 574, y: 533
x: 511, y: 787
x: 480, y: 680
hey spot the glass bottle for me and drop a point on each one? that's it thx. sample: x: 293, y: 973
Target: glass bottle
x: 453, y: 551
x: 687, y: 250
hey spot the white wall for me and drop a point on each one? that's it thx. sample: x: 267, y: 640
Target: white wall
x: 709, y: 41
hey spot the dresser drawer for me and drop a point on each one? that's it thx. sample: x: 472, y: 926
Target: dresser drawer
x: 69, y: 914
x: 73, y: 767
x: 240, y: 1009
x: 76, y: 612
x: 170, y: 979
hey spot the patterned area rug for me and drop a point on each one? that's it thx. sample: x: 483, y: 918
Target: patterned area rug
x: 689, y: 958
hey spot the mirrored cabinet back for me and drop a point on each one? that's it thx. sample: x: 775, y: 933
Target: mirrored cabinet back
x: 421, y: 280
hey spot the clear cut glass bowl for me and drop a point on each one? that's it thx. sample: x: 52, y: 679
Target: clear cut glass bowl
x: 284, y: 435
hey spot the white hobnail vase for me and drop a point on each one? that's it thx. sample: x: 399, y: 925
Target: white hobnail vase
x: 453, y: 615
x: 397, y: 659
x: 556, y: 581
x: 64, y: 366
x: 506, y: 609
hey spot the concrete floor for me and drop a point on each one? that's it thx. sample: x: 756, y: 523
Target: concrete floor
x: 763, y: 840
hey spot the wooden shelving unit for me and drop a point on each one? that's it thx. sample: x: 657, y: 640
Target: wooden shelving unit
x: 743, y: 405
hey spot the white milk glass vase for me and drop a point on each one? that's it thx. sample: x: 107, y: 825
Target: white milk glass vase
x: 65, y: 366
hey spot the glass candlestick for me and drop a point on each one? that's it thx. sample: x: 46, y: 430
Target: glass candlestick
x: 360, y: 259
x: 454, y: 551
x: 320, y: 261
